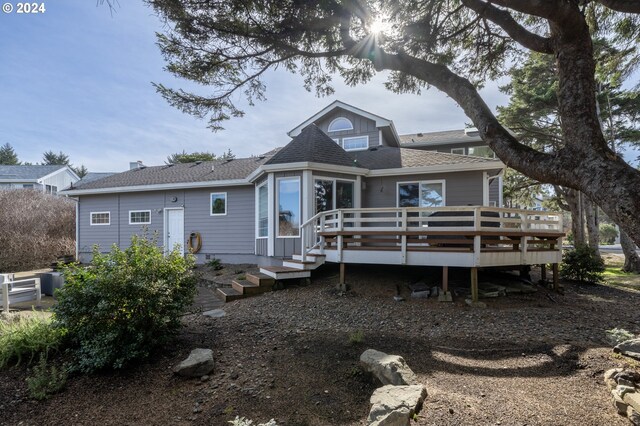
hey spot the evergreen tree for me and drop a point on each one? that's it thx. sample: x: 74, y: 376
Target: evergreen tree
x: 50, y: 158
x: 8, y: 156
x: 184, y: 157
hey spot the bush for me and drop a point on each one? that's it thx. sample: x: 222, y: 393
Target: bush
x: 582, y: 264
x: 215, y: 264
x: 126, y: 304
x: 608, y: 233
x: 26, y: 337
x: 618, y: 335
x: 35, y: 229
x: 46, y: 380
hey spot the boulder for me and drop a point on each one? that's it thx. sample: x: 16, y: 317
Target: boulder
x: 633, y: 399
x: 630, y: 348
x: 633, y: 416
x: 198, y: 363
x: 389, y: 369
x: 395, y: 405
x: 214, y: 313
x: 620, y: 405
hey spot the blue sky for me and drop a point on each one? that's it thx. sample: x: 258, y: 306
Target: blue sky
x: 77, y: 79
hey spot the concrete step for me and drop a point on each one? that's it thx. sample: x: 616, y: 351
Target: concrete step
x: 260, y: 279
x: 284, y: 273
x: 229, y: 294
x: 247, y: 288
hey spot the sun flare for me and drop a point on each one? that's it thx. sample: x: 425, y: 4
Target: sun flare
x: 379, y: 26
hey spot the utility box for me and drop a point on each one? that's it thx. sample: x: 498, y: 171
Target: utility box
x: 49, y: 281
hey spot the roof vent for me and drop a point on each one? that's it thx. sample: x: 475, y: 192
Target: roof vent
x: 420, y: 135
x: 373, y: 148
x: 471, y: 131
x: 228, y: 160
x: 213, y: 167
x: 198, y: 162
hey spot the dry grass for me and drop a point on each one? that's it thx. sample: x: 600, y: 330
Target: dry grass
x: 35, y: 229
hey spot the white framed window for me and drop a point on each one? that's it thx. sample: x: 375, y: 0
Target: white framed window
x: 339, y: 124
x: 355, y: 143
x: 482, y: 151
x: 218, y: 204
x: 457, y: 151
x: 51, y: 189
x: 331, y: 193
x: 100, y: 218
x: 421, y: 194
x: 262, y: 225
x: 139, y: 217
x: 288, y: 202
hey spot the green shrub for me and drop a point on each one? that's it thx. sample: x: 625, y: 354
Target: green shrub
x: 126, y: 304
x: 608, y: 233
x: 356, y: 337
x: 618, y: 335
x: 215, y: 264
x: 24, y: 337
x: 46, y: 380
x: 582, y: 264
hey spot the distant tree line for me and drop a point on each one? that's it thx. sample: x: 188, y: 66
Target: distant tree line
x: 8, y: 156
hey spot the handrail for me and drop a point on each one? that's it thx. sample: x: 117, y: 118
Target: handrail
x: 398, y: 218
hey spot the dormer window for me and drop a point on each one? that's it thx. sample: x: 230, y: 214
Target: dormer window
x: 339, y: 124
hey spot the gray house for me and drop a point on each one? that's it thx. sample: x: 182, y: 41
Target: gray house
x: 49, y: 179
x: 346, y: 189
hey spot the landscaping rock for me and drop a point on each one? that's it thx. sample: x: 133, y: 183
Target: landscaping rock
x: 198, y: 363
x: 395, y: 405
x: 609, y: 378
x: 214, y: 313
x: 630, y: 348
x: 633, y: 416
x: 389, y: 369
x: 633, y: 399
x: 620, y: 405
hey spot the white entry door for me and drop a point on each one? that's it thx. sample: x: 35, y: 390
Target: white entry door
x: 174, y: 229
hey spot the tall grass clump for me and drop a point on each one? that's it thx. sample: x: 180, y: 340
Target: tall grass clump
x: 35, y: 229
x: 22, y: 338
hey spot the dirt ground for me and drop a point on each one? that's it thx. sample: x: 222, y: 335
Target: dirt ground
x: 292, y: 355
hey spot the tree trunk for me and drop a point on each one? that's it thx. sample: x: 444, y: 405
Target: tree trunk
x: 572, y: 200
x: 631, y: 257
x: 591, y: 219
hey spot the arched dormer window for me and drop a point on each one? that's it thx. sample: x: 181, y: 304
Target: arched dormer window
x: 340, y: 124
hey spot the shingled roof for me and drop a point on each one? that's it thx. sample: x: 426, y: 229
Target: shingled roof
x: 384, y: 157
x: 205, y: 171
x: 313, y: 145
x: 28, y: 172
x: 436, y: 138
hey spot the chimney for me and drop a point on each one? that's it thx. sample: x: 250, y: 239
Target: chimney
x: 135, y: 165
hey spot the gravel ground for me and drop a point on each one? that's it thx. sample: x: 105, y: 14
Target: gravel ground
x: 292, y: 355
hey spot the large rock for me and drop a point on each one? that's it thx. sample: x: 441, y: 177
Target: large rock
x: 389, y: 369
x: 198, y: 363
x: 395, y: 405
x: 630, y: 348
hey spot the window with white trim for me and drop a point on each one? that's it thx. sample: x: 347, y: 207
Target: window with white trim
x: 421, y: 194
x: 339, y: 124
x: 457, y: 151
x: 355, y: 143
x: 482, y: 151
x: 333, y: 194
x: 139, y: 217
x: 288, y: 207
x: 218, y: 204
x: 51, y: 189
x: 100, y: 218
x: 263, y: 211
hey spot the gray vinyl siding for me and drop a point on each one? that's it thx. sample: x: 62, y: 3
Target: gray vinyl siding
x: 461, y: 188
x: 262, y: 246
x: 361, y: 126
x: 232, y: 233
x: 494, y: 191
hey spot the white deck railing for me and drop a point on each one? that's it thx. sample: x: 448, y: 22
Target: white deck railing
x: 475, y: 229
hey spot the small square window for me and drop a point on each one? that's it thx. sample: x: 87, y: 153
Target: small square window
x: 457, y: 151
x: 100, y: 218
x: 139, y: 217
x: 218, y: 204
x: 355, y: 143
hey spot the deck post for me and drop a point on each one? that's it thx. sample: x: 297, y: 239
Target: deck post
x: 445, y: 295
x: 556, y: 282
x: 342, y: 286
x: 543, y: 274
x: 474, y: 285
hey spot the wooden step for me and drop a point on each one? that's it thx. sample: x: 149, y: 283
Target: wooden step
x: 284, y: 273
x: 247, y: 288
x: 300, y: 265
x: 260, y: 279
x: 311, y: 257
x: 228, y: 294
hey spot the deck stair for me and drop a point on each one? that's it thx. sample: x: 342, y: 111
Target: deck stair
x: 254, y: 284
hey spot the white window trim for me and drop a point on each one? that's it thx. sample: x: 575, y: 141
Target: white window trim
x: 334, y: 180
x: 258, y: 237
x: 278, y: 205
x: 99, y: 224
x: 226, y: 204
x: 355, y: 137
x: 458, y: 149
x: 341, y: 130
x: 337, y: 140
x: 140, y: 223
x: 420, y: 182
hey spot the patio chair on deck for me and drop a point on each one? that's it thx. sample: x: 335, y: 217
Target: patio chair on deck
x: 12, y: 291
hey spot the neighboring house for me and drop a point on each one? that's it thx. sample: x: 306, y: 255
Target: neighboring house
x: 49, y: 179
x: 346, y: 171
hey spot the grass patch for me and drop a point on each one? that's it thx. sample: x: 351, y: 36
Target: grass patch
x: 615, y: 276
x: 24, y: 337
x: 356, y: 337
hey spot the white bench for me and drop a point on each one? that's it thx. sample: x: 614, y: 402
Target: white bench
x: 16, y: 291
